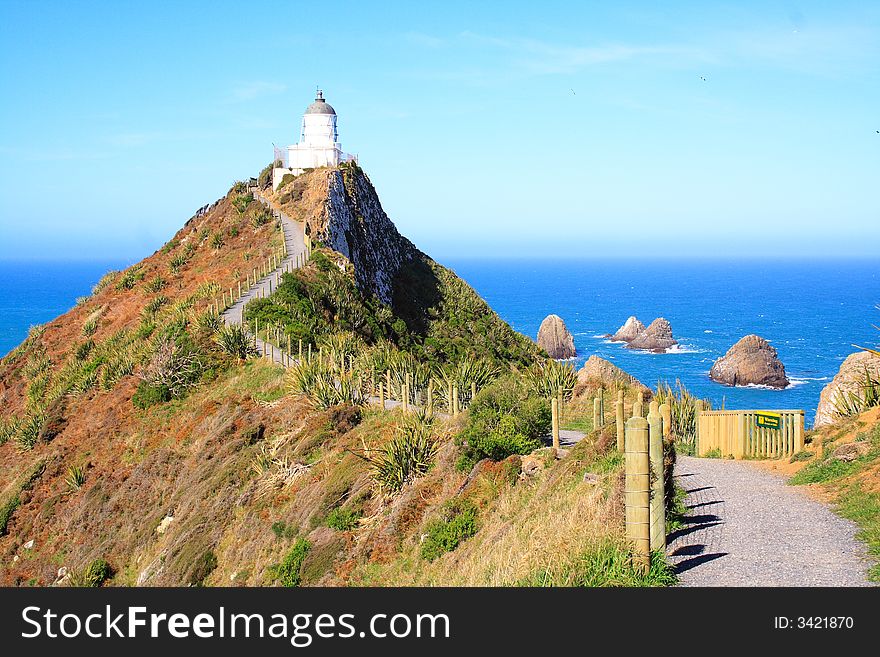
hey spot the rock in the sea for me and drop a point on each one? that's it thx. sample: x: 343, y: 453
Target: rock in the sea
x: 629, y: 331
x: 555, y: 339
x: 600, y: 371
x: 849, y: 378
x: 751, y: 361
x: 657, y: 337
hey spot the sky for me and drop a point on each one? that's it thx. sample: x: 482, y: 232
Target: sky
x: 518, y: 129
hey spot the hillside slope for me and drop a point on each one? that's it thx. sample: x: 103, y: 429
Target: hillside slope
x: 136, y: 450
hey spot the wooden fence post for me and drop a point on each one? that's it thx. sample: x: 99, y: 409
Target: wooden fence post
x: 473, y: 391
x: 430, y: 409
x: 381, y: 395
x: 618, y: 417
x: 637, y: 491
x: 658, y: 497
x: 405, y: 394
x: 597, y: 423
x: 637, y: 405
x: 799, y: 432
x: 449, y: 401
x: 666, y: 414
x: 388, y: 384
x: 554, y: 419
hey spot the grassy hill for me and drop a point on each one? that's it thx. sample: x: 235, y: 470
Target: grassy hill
x: 137, y: 448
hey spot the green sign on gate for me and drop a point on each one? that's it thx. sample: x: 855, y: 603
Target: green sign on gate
x: 768, y: 420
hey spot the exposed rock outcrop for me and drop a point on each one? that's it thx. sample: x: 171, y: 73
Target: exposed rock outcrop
x: 657, y: 337
x: 599, y: 370
x: 848, y: 379
x: 629, y: 331
x: 555, y: 339
x: 751, y: 361
x: 355, y: 225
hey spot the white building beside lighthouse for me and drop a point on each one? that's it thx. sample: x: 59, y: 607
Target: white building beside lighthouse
x: 318, y: 144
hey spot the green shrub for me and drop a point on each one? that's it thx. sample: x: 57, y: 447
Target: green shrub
x: 75, y: 478
x: 156, y: 284
x: 241, y: 202
x: 83, y: 350
x: 458, y: 524
x: 503, y: 419
x: 217, y: 241
x: 344, y: 519
x: 409, y: 454
x: 105, y: 280
x: 866, y: 395
x: 288, y: 571
x: 282, y: 530
x: 203, y: 566
x: 130, y: 278
x: 153, y: 306
x: 6, y: 512
x: 148, y: 395
x: 29, y: 431
x: 683, y: 407
x: 90, y: 327
x: 802, y: 455
x: 261, y: 217
x: 236, y: 341
x: 551, y: 379
x: 714, y: 453
x: 321, y: 261
x: 93, y: 575
x: 9, y: 428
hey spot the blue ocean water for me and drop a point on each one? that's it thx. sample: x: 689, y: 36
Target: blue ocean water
x: 811, y: 311
x: 35, y: 292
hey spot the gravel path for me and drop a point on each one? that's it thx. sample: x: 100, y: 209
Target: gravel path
x: 747, y: 527
x: 296, y: 248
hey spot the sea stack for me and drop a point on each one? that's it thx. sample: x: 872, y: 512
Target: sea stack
x: 554, y: 338
x: 751, y: 361
x: 849, y: 379
x: 628, y: 332
x: 657, y: 337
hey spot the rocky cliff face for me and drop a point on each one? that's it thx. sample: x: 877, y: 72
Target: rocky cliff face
x: 555, y: 339
x: 751, y: 361
x: 657, y: 337
x: 629, y: 331
x: 849, y: 377
x: 354, y: 224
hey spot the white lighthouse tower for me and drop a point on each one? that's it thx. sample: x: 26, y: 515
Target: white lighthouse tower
x: 318, y: 144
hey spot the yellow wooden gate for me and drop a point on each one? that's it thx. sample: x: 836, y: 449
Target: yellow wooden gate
x: 751, y: 434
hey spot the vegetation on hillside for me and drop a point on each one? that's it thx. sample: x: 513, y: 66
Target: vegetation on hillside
x: 145, y: 445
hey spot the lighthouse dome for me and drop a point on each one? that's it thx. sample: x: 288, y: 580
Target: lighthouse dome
x: 320, y: 106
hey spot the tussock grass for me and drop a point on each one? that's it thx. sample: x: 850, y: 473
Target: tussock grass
x: 533, y: 532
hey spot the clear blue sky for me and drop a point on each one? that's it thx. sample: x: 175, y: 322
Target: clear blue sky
x: 582, y: 129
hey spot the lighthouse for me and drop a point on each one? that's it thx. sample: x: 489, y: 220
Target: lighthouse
x: 318, y: 144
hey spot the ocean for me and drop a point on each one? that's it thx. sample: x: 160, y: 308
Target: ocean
x: 35, y: 292
x: 811, y: 311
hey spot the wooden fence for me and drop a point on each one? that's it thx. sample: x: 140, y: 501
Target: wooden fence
x: 748, y: 434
